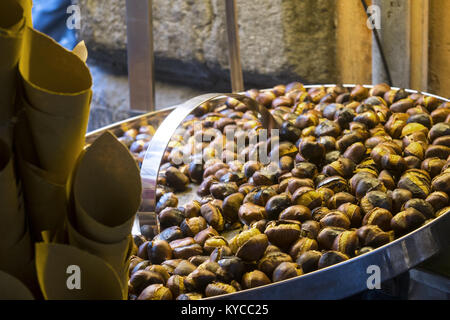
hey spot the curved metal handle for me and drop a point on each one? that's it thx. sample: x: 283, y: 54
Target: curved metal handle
x: 158, y: 145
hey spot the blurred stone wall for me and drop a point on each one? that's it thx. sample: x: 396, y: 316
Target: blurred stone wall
x: 280, y: 40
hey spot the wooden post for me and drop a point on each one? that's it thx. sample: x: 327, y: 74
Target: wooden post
x: 395, y: 39
x: 419, y: 44
x: 439, y: 67
x: 354, y: 45
x: 140, y: 55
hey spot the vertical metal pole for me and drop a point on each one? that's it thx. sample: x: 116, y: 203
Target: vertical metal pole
x: 140, y: 55
x: 237, y: 82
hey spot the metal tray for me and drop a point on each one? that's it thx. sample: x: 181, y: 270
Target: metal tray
x: 338, y: 281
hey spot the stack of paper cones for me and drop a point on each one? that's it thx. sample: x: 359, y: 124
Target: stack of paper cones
x: 16, y: 251
x: 12, y: 26
x: 78, y: 205
x: 57, y: 93
x: 106, y: 195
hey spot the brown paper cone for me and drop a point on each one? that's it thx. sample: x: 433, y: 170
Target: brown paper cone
x: 13, y: 289
x: 57, y: 84
x: 115, y: 253
x: 98, y: 280
x: 81, y: 50
x: 15, y: 259
x: 27, y: 5
x: 46, y: 200
x: 57, y: 136
x: 12, y: 220
x: 45, y: 194
x: 106, y: 191
x: 12, y: 25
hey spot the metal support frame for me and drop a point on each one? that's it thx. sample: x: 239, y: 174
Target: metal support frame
x: 237, y: 81
x: 141, y: 75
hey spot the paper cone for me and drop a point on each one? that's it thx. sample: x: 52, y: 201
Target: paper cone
x: 57, y: 84
x: 12, y: 25
x: 115, y: 253
x: 27, y: 5
x: 13, y: 289
x: 81, y: 50
x: 98, y: 280
x: 46, y: 200
x: 57, y: 136
x: 106, y: 191
x: 45, y: 194
x: 15, y: 259
x: 12, y: 220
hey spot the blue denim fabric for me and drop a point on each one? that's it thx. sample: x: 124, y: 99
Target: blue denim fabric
x: 50, y: 17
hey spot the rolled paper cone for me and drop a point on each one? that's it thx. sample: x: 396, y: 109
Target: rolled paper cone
x: 13, y: 288
x: 27, y: 5
x: 124, y: 278
x: 106, y: 190
x: 99, y: 231
x: 56, y: 83
x: 45, y: 199
x: 68, y: 273
x: 12, y: 25
x: 15, y: 260
x: 113, y: 253
x: 57, y: 136
x: 45, y: 194
x: 12, y: 220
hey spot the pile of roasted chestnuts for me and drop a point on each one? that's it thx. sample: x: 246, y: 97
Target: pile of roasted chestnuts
x: 137, y: 140
x: 357, y: 168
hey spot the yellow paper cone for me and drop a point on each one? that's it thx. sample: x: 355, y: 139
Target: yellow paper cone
x: 106, y: 191
x: 57, y: 84
x: 12, y: 221
x: 56, y: 135
x: 61, y: 268
x: 81, y: 50
x: 12, y: 25
x: 15, y: 259
x: 27, y: 5
x: 115, y: 253
x: 13, y: 289
x: 45, y: 194
x: 46, y: 200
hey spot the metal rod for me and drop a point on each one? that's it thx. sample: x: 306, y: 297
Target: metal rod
x: 140, y: 55
x: 380, y: 47
x: 237, y: 82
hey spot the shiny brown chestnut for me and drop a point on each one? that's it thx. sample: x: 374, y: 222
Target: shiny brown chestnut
x: 282, y: 234
x: 302, y: 245
x: 191, y: 226
x: 379, y: 217
x: 296, y: 212
x: 346, y: 242
x: 353, y: 212
x: 438, y: 200
x: 155, y: 292
x: 254, y: 279
x: 271, y: 260
x: 330, y: 258
x: 286, y: 270
x: 309, y: 261
x: 249, y: 212
x: 335, y: 219
x: 218, y: 288
x: 142, y: 279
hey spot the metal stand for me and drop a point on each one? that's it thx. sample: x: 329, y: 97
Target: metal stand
x: 141, y: 75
